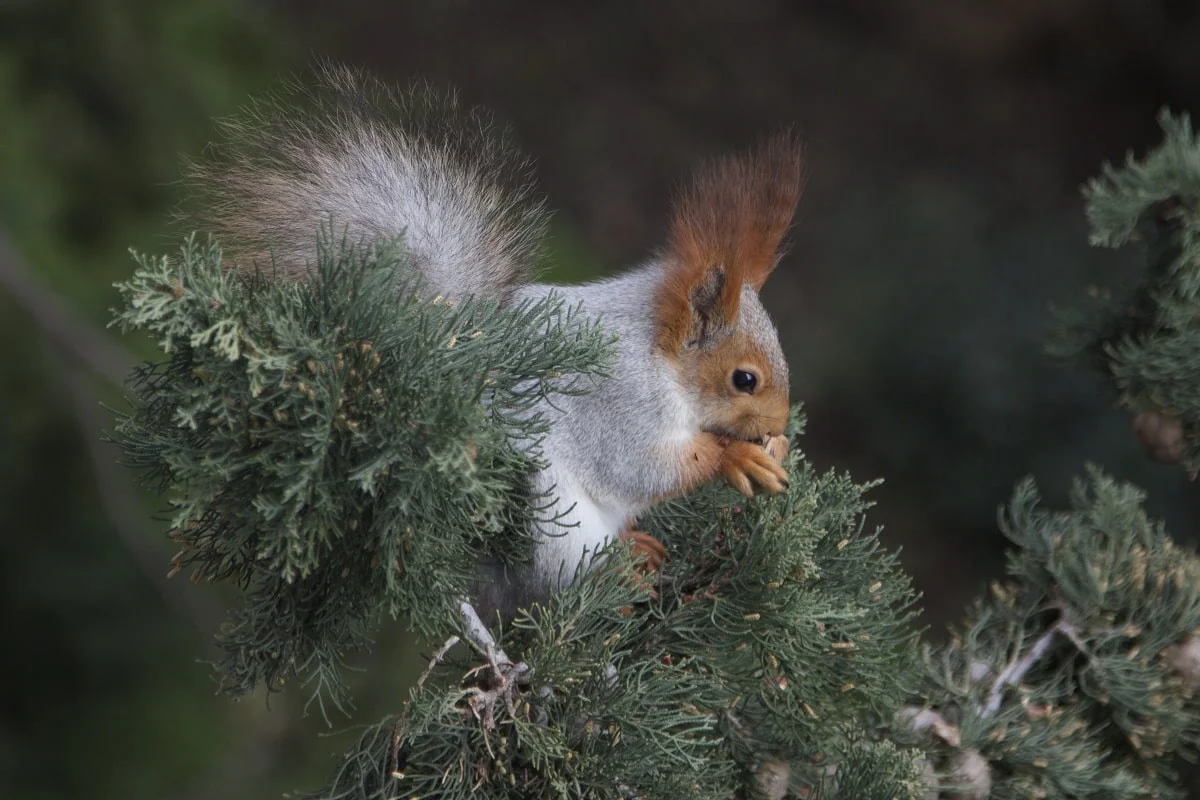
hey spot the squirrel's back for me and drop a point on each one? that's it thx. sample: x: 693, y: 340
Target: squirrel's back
x: 353, y: 158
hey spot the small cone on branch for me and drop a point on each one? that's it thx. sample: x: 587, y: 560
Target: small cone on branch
x: 926, y: 719
x: 1161, y: 434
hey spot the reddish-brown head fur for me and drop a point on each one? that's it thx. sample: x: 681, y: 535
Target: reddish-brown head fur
x: 726, y: 232
x: 726, y: 235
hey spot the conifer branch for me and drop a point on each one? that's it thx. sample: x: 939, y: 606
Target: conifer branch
x: 305, y: 392
x: 1143, y: 336
x: 436, y: 659
x: 481, y: 637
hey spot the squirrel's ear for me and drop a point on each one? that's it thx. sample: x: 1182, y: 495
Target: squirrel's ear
x: 726, y: 231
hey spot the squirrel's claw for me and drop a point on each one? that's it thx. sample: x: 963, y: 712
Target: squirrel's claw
x: 748, y: 464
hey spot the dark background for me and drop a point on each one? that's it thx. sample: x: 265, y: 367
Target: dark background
x: 947, y: 143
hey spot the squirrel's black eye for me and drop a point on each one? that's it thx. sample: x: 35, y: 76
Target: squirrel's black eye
x: 744, y: 381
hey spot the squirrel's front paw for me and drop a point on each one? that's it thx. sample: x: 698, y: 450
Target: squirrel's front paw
x: 748, y: 464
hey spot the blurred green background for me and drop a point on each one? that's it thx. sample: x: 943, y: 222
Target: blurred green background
x: 947, y: 141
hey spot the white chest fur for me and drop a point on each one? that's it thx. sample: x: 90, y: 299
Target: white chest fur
x: 575, y: 527
x: 600, y: 487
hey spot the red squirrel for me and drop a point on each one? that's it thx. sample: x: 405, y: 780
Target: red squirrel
x: 698, y: 387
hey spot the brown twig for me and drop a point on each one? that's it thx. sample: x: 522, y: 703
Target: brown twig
x: 507, y: 676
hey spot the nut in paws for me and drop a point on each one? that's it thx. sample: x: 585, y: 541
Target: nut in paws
x: 776, y: 447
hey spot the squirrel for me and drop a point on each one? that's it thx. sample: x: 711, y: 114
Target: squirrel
x: 699, y: 386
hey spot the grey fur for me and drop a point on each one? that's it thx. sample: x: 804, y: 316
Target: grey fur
x: 361, y: 161
x: 756, y: 324
x: 615, y: 449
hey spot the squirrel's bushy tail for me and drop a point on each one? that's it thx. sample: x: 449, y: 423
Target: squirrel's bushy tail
x: 349, y: 155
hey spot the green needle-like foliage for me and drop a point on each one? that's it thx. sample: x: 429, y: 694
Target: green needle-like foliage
x: 773, y: 625
x: 329, y: 447
x: 1077, y: 677
x: 345, y: 448
x: 1145, y: 336
x: 1067, y: 678
x: 342, y: 450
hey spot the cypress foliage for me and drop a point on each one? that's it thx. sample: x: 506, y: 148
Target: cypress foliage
x: 1145, y: 336
x: 343, y: 452
x: 1066, y: 680
x: 329, y: 445
x: 776, y: 625
x: 1076, y: 677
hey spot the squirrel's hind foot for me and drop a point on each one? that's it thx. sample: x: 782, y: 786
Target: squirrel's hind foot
x: 648, y: 552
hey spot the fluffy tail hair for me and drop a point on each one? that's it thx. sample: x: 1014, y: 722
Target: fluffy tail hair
x: 352, y: 156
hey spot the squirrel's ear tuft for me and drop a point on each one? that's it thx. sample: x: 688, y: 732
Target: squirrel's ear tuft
x: 727, y: 231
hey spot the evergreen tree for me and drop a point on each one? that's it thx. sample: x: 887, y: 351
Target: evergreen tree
x: 1076, y: 677
x: 342, y: 452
